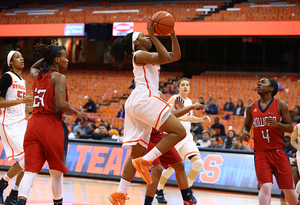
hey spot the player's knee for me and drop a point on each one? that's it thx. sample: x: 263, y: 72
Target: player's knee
x: 181, y: 133
x: 156, y: 171
x: 22, y: 163
x: 298, y: 187
x: 197, y: 165
x: 167, y: 173
x: 178, y: 167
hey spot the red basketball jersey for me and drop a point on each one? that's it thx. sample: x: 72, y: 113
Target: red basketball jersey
x: 266, y: 137
x: 44, y: 95
x: 156, y: 135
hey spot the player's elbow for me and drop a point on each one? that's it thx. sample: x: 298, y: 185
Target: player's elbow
x: 290, y: 129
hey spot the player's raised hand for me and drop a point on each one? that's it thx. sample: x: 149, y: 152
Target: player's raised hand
x: 150, y: 27
x: 246, y: 136
x: 198, y: 105
x: 206, y: 119
x: 179, y: 103
x: 28, y: 98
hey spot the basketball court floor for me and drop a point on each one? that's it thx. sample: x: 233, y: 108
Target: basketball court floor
x: 82, y: 191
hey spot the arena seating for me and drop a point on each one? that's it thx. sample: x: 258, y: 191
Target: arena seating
x: 101, y: 85
x: 109, y: 12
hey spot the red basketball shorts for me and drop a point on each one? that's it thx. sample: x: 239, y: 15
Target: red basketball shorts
x: 46, y: 139
x: 168, y: 158
x: 274, y: 162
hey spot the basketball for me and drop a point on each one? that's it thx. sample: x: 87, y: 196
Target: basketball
x: 164, y: 22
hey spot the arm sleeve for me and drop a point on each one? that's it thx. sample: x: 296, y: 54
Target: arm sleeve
x: 5, y: 82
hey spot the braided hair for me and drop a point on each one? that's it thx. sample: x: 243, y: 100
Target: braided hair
x: 49, y: 53
x: 118, y: 49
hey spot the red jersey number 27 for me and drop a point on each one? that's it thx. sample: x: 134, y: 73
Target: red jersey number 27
x: 39, y: 95
x: 266, y: 135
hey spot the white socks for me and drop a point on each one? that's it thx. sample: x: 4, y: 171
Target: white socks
x: 152, y: 155
x: 16, y: 188
x: 123, y: 186
x: 6, y: 178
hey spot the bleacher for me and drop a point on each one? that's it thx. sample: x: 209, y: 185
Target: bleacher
x: 109, y: 12
x: 109, y: 89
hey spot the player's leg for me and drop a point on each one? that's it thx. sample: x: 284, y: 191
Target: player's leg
x: 119, y: 197
x: 12, y: 172
x: 264, y: 195
x: 176, y: 133
x: 291, y: 196
x: 151, y: 188
x: 57, y: 186
x: 12, y: 198
x: 25, y: 186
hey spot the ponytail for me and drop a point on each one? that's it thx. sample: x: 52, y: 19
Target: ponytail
x: 118, y: 49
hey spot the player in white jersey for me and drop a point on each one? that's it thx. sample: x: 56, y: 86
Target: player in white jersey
x: 187, y: 147
x: 144, y: 108
x: 12, y: 120
x: 295, y: 141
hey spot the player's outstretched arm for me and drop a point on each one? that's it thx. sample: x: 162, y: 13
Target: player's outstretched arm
x: 10, y: 103
x: 294, y: 138
x: 286, y: 124
x: 194, y: 119
x: 247, y: 124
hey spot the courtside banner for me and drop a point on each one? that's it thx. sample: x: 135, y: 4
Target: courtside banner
x: 221, y: 170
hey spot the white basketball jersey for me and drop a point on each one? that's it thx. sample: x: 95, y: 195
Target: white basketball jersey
x: 17, y: 90
x: 187, y: 125
x: 146, y: 77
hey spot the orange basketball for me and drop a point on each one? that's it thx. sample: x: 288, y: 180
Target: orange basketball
x: 164, y: 22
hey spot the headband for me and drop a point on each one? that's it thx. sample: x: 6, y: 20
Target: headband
x: 9, y: 56
x: 135, y: 35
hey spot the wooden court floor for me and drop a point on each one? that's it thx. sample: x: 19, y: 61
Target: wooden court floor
x: 82, y: 191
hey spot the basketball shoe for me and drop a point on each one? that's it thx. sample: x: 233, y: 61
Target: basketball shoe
x: 117, y: 198
x: 3, y: 185
x: 160, y: 197
x: 190, y: 202
x: 142, y: 166
x: 12, y: 198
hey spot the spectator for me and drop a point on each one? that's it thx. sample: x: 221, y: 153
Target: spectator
x: 240, y: 109
x: 201, y: 101
x: 197, y: 129
x: 175, y: 88
x: 121, y: 112
x: 280, y: 86
x: 83, y: 126
x: 102, y: 130
x: 290, y: 149
x: 79, y: 120
x: 228, y: 140
x: 249, y: 102
x: 132, y: 86
x: 169, y: 91
x: 214, y: 142
x: 229, y: 106
x: 121, y: 134
x: 237, y: 143
x: 210, y: 97
x: 212, y: 108
x: 219, y: 128
x: 107, y: 125
x: 92, y: 129
x: 204, y: 142
x: 90, y: 106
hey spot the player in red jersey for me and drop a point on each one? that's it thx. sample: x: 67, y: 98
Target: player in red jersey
x: 46, y: 137
x: 269, y: 117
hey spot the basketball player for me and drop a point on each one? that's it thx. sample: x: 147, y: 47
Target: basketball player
x: 12, y: 118
x: 295, y: 140
x: 46, y: 137
x: 186, y: 147
x: 270, y: 117
x: 144, y: 108
x: 170, y: 158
